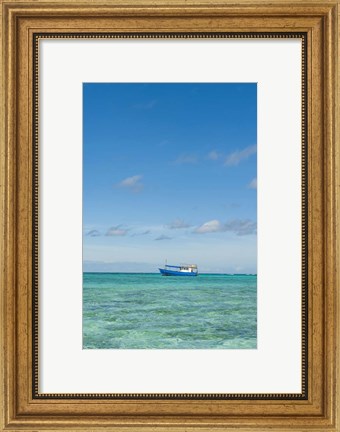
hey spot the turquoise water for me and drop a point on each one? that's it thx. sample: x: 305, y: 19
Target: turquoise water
x: 138, y: 310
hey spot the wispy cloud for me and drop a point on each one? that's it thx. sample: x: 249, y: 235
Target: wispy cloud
x: 93, y: 233
x: 241, y: 227
x: 163, y: 237
x: 163, y: 143
x: 253, y: 184
x: 213, y: 155
x: 116, y: 231
x: 178, y: 224
x: 236, y: 157
x: 233, y: 205
x: 133, y: 183
x: 145, y: 105
x: 236, y: 226
x: 186, y: 158
x: 141, y: 233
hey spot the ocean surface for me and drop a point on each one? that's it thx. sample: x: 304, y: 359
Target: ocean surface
x: 150, y: 311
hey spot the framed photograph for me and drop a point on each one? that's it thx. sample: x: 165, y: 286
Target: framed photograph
x: 170, y: 201
x: 126, y: 302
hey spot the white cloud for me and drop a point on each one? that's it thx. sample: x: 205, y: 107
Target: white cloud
x: 237, y: 226
x: 236, y: 157
x: 186, y: 159
x: 132, y: 183
x: 178, y: 224
x: 253, y: 184
x: 209, y: 227
x: 116, y: 231
x: 213, y: 155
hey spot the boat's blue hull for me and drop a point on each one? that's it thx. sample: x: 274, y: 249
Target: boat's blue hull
x: 176, y: 273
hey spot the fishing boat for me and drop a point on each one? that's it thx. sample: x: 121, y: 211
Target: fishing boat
x: 182, y: 270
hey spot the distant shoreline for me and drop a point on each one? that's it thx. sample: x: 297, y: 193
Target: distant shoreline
x: 156, y: 273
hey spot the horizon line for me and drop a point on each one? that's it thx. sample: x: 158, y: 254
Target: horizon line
x: 138, y: 272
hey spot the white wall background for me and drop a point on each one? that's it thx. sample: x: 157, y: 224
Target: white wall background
x: 275, y: 367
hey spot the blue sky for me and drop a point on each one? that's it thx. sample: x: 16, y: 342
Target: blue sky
x: 169, y: 172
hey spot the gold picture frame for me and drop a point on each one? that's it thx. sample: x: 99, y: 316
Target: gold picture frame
x: 23, y: 408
